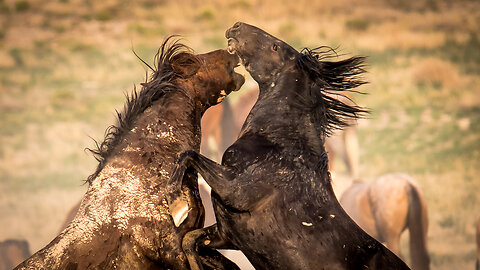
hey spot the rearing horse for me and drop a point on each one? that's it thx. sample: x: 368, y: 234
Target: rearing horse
x: 123, y: 221
x: 272, y: 194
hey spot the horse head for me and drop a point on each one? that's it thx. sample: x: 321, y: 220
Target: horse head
x: 263, y: 55
x: 314, y: 83
x: 210, y: 75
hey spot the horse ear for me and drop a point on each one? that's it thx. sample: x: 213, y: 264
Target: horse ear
x: 185, y: 64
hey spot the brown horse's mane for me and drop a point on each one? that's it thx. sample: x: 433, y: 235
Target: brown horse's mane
x: 161, y: 82
x: 330, y: 78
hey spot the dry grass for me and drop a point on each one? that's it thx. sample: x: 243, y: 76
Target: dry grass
x: 65, y: 65
x: 435, y: 72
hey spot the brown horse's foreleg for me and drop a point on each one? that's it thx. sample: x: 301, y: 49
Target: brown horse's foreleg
x: 200, y: 248
x: 218, y: 177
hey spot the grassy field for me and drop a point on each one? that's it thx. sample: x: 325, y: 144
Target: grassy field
x: 65, y: 66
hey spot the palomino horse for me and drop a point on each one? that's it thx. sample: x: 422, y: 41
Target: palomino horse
x: 272, y: 194
x: 221, y: 125
x: 13, y: 252
x: 387, y: 207
x: 123, y: 221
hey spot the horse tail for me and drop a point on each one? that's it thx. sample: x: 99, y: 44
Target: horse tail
x: 417, y: 222
x: 227, y: 124
x: 477, y: 265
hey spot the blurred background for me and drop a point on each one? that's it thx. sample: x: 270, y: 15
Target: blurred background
x: 65, y: 66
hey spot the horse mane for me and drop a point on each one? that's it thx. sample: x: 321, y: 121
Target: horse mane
x: 161, y: 82
x: 330, y: 79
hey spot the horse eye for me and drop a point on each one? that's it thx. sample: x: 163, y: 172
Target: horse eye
x: 275, y: 47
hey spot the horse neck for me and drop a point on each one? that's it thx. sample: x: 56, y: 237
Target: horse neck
x: 129, y: 185
x: 278, y: 115
x: 171, y: 124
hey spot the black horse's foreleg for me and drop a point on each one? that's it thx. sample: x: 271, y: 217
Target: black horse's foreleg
x: 200, y: 248
x: 218, y: 177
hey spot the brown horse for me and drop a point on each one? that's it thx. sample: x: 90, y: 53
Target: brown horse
x: 221, y: 125
x: 388, y: 206
x: 123, y: 221
x: 13, y: 252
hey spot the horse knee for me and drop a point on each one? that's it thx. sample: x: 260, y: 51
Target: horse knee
x: 190, y: 240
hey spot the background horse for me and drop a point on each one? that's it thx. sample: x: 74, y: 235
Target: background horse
x: 272, y: 194
x: 218, y: 130
x: 13, y: 252
x: 123, y: 219
x: 387, y: 207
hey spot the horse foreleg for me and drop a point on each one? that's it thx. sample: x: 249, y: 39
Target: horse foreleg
x: 200, y: 248
x: 218, y: 177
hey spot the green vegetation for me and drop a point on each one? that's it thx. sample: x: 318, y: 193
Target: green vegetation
x: 104, y: 15
x: 357, y: 24
x: 4, y: 9
x: 205, y: 15
x: 465, y: 54
x: 21, y: 6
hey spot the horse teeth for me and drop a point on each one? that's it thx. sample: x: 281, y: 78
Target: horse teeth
x: 223, y: 94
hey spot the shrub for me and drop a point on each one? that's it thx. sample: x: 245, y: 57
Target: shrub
x: 358, y: 24
x: 104, y: 15
x: 205, y: 15
x: 22, y: 6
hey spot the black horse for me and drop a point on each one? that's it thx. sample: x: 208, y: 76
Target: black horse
x: 272, y: 194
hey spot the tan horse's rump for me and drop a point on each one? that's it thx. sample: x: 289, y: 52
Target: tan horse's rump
x: 388, y: 206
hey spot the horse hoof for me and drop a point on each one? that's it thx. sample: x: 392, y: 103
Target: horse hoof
x: 179, y: 211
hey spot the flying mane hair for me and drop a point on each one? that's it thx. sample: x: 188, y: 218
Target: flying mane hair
x: 161, y: 81
x: 328, y: 80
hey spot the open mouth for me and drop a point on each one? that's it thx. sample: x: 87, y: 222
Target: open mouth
x: 232, y: 49
x: 232, y: 44
x: 239, y: 80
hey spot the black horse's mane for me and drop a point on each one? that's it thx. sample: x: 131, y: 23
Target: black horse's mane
x: 328, y: 80
x: 161, y: 81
